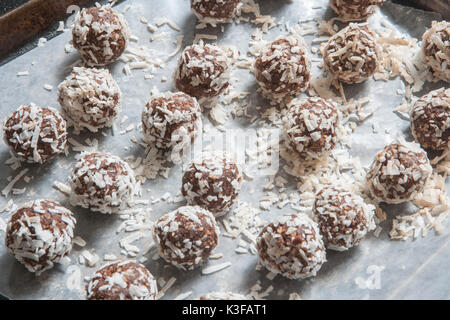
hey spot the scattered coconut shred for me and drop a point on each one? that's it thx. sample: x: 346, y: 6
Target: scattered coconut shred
x: 247, y: 7
x: 145, y: 58
x: 434, y: 209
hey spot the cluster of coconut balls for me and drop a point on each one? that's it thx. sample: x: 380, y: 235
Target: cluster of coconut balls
x: 39, y: 234
x: 294, y: 245
x: 185, y: 237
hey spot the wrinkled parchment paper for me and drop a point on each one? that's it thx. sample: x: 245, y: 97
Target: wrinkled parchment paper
x: 379, y: 268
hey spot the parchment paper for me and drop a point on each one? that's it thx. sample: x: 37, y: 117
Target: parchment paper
x: 412, y: 269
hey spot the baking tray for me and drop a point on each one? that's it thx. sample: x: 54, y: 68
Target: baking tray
x: 27, y: 21
x: 378, y: 269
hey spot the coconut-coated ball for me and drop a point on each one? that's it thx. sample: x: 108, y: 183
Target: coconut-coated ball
x: 122, y: 280
x: 430, y: 120
x: 291, y: 246
x: 311, y: 127
x: 212, y: 182
x: 171, y: 119
x: 355, y: 10
x: 187, y: 236
x: 203, y: 71
x: 39, y: 234
x: 215, y: 11
x: 352, y: 55
x: 35, y: 134
x: 343, y: 217
x: 90, y: 98
x: 100, y: 34
x: 398, y: 173
x: 283, y: 68
x: 436, y: 49
x: 102, y: 182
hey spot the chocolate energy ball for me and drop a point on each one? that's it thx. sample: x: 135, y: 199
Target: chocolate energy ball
x: 398, y: 173
x: 430, y: 120
x: 39, y: 234
x: 283, y: 67
x: 122, y: 280
x: 343, y: 217
x: 212, y: 183
x: 436, y: 49
x: 171, y: 119
x: 352, y: 55
x: 100, y: 34
x: 90, y: 98
x: 223, y: 296
x: 102, y: 182
x: 35, y: 134
x: 186, y: 237
x: 291, y: 246
x: 310, y: 127
x: 203, y: 71
x: 215, y: 11
x: 355, y: 10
